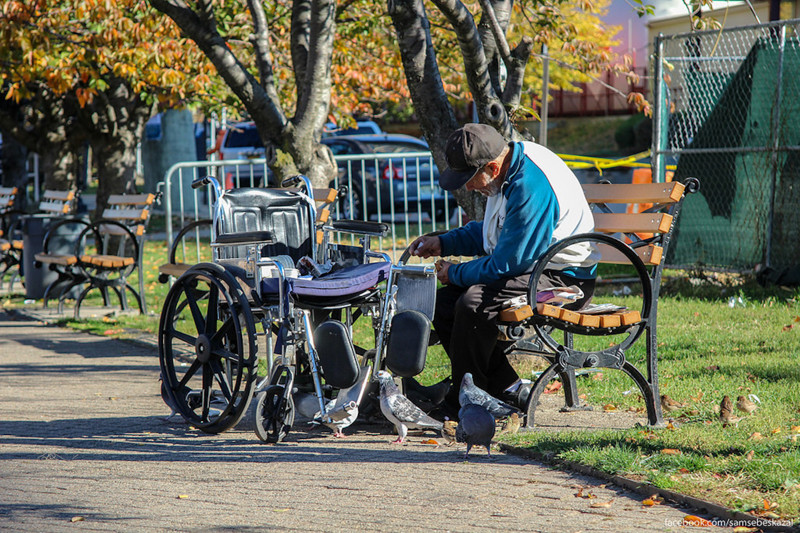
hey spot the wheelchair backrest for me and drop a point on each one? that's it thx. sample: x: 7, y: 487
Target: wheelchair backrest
x: 287, y: 214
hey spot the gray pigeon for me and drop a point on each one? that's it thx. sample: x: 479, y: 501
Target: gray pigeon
x: 470, y: 394
x: 400, y: 411
x: 476, y: 426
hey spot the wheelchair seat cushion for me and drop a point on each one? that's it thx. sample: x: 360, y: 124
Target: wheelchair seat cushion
x: 349, y: 280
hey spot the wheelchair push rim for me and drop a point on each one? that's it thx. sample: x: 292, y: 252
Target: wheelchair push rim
x: 207, y: 348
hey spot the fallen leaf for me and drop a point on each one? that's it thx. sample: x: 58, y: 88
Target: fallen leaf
x: 756, y: 436
x: 750, y: 455
x: 649, y: 502
x: 602, y: 504
x: 795, y: 429
x: 776, y: 431
x: 431, y: 441
x: 182, y: 496
x: 77, y: 519
x: 696, y: 521
x: 609, y: 407
x: 670, y: 425
x: 713, y: 368
x: 553, y: 386
x: 113, y: 331
x: 788, y: 327
x: 670, y: 451
x: 684, y: 471
x: 583, y: 396
x: 281, y: 510
x: 745, y: 529
x: 598, y: 376
x: 797, y: 319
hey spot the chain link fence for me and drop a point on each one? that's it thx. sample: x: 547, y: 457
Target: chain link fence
x: 727, y: 111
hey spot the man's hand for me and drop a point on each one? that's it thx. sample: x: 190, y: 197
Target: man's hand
x: 426, y: 247
x: 442, y: 267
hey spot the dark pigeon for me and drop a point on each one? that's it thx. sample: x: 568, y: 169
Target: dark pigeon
x: 400, y: 411
x: 470, y: 394
x: 476, y: 426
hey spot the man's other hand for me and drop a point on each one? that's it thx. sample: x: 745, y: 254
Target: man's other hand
x: 426, y: 247
x: 442, y: 267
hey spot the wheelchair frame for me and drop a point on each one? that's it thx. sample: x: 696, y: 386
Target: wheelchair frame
x: 208, y: 347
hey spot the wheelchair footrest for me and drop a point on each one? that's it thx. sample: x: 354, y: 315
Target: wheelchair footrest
x: 336, y: 354
x: 407, y: 346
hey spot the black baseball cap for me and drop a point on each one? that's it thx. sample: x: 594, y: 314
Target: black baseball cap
x: 467, y: 150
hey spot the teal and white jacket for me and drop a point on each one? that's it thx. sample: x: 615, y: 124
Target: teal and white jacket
x: 544, y: 204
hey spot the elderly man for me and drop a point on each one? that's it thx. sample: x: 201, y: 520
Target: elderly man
x: 533, y: 201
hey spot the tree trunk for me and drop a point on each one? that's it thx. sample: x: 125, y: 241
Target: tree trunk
x: 14, y: 169
x: 116, y: 168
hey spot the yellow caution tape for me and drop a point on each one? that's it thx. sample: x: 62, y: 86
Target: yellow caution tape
x: 600, y: 163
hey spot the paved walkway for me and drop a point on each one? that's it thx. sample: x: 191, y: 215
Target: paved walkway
x: 84, y: 446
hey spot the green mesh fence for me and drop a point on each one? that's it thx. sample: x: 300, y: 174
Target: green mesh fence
x: 728, y: 113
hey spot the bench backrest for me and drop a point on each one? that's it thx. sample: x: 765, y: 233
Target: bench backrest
x: 131, y: 210
x: 645, y: 219
x: 57, y: 202
x: 8, y: 196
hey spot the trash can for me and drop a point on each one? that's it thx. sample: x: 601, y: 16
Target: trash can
x: 34, y: 229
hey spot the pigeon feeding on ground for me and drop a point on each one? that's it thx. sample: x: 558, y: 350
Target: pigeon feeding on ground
x: 400, y: 411
x: 471, y: 394
x: 426, y: 398
x: 476, y: 426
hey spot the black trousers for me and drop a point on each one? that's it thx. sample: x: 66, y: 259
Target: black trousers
x: 465, y: 319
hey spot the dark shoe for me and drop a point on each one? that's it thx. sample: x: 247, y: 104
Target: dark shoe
x: 518, y: 398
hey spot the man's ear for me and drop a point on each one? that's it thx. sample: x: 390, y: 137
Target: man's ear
x: 494, y: 167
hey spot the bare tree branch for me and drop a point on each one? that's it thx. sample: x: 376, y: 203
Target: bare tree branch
x: 516, y: 73
x: 261, y: 47
x: 301, y: 21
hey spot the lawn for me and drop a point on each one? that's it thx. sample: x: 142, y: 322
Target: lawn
x: 718, y: 335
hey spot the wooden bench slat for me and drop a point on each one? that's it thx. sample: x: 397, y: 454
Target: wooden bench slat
x: 626, y: 193
x: 58, y: 196
x: 61, y: 208
x: 131, y: 199
x: 107, y: 261
x: 126, y: 213
x: 632, y: 223
x: 174, y: 269
x: 651, y: 254
x: 611, y: 320
x: 56, y: 259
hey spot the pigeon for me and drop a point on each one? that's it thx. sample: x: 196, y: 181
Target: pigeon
x: 669, y: 405
x: 343, y: 410
x: 167, y: 399
x: 745, y: 404
x: 449, y: 428
x: 476, y: 426
x: 426, y: 398
x: 470, y: 394
x: 512, y: 424
x: 400, y: 411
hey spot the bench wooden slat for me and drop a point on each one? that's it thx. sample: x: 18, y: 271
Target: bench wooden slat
x: 107, y: 261
x: 56, y: 259
x: 61, y: 208
x: 126, y: 213
x: 655, y: 193
x: 611, y: 320
x: 174, y: 269
x: 632, y: 223
x: 131, y: 199
x: 111, y: 229
x: 651, y: 254
x: 58, y: 196
x: 323, y: 215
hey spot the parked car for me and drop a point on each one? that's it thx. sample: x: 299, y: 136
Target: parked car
x: 363, y: 127
x: 241, y: 141
x: 389, y: 179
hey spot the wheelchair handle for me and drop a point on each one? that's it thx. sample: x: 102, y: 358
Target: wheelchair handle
x: 291, y: 181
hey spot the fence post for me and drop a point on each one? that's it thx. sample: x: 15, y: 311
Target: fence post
x: 776, y: 132
x: 660, y: 113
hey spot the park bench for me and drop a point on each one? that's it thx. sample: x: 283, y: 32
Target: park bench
x: 633, y: 226
x: 10, y: 246
x: 114, y: 250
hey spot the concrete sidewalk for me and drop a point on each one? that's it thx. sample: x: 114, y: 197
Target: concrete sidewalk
x: 83, y: 438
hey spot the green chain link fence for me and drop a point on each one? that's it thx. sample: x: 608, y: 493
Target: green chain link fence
x: 727, y: 111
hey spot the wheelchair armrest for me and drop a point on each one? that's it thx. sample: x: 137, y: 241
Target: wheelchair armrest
x: 246, y: 237
x: 363, y: 227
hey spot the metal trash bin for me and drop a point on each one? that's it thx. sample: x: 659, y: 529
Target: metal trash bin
x: 34, y: 229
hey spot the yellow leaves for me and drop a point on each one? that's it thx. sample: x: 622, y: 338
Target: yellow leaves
x: 670, y: 451
x: 585, y: 495
x: 77, y: 519
x: 433, y: 442
x: 183, y: 496
x: 598, y: 505
x: 609, y: 407
x: 756, y: 436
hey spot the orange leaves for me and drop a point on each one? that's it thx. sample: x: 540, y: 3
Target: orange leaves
x: 696, y: 521
x: 552, y: 387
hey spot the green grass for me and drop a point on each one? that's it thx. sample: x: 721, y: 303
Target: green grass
x: 707, y: 349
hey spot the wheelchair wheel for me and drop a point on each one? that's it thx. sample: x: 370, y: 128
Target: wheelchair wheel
x: 274, y: 414
x: 207, y: 348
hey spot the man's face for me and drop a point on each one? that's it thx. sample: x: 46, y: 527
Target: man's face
x: 486, y: 181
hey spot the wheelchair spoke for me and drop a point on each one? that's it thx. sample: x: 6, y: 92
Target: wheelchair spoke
x: 197, y: 314
x: 189, y: 373
x: 222, y: 379
x: 211, y: 312
x: 208, y: 380
x: 185, y: 337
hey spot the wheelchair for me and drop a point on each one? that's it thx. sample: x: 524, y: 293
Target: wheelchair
x: 279, y: 285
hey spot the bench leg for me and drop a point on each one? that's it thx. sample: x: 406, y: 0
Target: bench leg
x: 571, y: 400
x: 651, y: 400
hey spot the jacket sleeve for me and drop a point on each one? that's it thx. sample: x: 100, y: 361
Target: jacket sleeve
x: 531, y: 216
x: 466, y: 240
